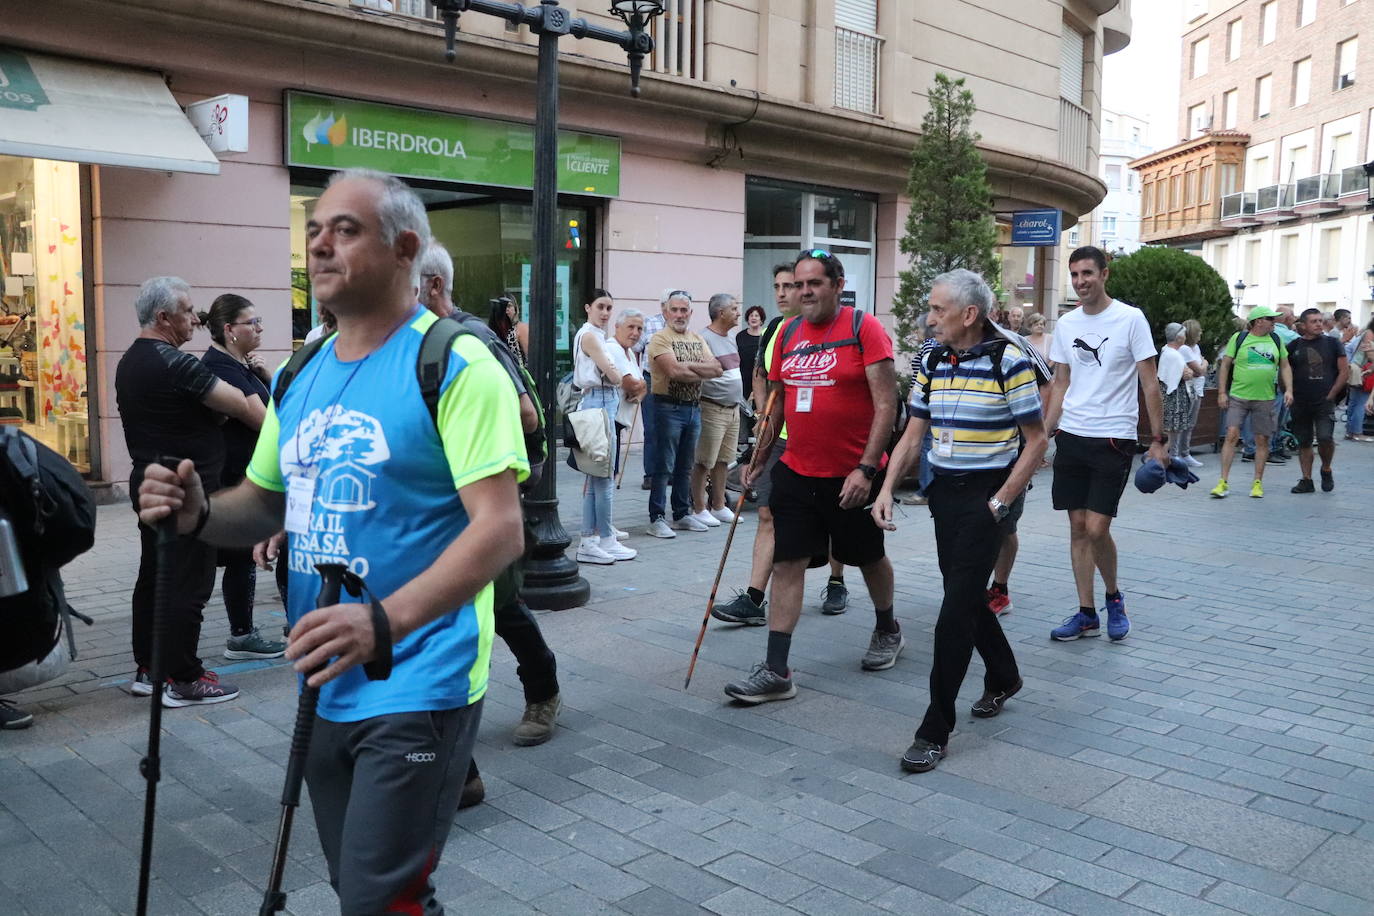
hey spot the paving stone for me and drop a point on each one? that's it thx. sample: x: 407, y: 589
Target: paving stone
x: 1218, y: 866
x: 760, y: 877
x: 1342, y: 864
x: 741, y: 902
x: 595, y: 877
x: 608, y: 845
x: 657, y: 902
x: 993, y: 901
x: 1101, y: 879
x: 922, y: 876
x: 514, y: 876
x: 1172, y: 903
x: 1255, y: 903
x: 684, y: 881
x: 822, y: 901
x: 1006, y: 875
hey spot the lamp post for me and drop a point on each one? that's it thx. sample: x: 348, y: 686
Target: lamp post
x: 552, y: 581
x: 1240, y: 293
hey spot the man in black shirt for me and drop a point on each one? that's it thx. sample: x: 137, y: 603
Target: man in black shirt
x: 1319, y: 369
x: 170, y: 406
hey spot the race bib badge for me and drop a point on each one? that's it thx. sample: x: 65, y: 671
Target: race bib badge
x: 300, y: 496
x: 804, y: 396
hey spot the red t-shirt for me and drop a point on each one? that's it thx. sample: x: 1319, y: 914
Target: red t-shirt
x: 828, y: 440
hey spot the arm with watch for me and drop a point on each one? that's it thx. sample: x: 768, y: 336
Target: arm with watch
x: 1027, y: 463
x: 882, y: 387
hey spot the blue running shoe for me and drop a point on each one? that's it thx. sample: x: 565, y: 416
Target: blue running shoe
x: 1080, y: 624
x: 1118, y: 624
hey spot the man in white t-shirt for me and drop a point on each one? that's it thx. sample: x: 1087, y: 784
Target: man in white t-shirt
x: 1101, y: 351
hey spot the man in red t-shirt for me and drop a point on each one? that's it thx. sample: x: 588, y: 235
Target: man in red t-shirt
x: 840, y: 398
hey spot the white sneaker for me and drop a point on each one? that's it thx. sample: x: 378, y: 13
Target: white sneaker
x: 618, y: 550
x: 723, y: 515
x: 706, y: 518
x: 620, y: 535
x: 659, y: 529
x: 589, y: 551
x: 1191, y: 461
x: 690, y: 523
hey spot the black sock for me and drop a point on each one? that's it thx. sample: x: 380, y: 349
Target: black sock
x: 837, y: 580
x: 887, y: 621
x: 755, y: 595
x: 779, y: 644
x: 1088, y: 611
x: 1114, y: 596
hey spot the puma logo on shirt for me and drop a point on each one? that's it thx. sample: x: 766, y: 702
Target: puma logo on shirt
x: 1080, y: 344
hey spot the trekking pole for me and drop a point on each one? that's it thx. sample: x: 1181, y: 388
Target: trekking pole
x: 274, y: 899
x: 151, y: 764
x: 629, y: 443
x: 720, y: 569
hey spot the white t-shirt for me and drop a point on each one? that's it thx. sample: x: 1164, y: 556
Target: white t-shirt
x: 586, y: 375
x: 1193, y: 354
x: 1101, y: 352
x: 1171, y: 366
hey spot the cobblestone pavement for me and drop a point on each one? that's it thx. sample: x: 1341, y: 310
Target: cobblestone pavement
x: 1216, y: 761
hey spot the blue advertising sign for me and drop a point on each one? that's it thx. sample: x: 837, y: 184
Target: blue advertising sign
x: 1031, y: 228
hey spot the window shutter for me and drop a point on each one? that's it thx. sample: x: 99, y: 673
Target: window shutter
x: 1071, y: 65
x: 857, y: 14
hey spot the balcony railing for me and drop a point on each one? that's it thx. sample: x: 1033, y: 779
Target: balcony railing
x: 856, y: 70
x: 1240, y: 205
x: 1317, y: 188
x: 1074, y: 124
x: 1354, y: 181
x: 680, y: 39
x: 1274, y: 198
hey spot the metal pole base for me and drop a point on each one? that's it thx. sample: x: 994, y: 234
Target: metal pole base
x: 552, y: 581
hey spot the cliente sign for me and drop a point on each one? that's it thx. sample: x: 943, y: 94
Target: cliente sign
x: 336, y: 133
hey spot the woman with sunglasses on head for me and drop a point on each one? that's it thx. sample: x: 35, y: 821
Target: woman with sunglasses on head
x: 504, y: 319
x: 236, y: 332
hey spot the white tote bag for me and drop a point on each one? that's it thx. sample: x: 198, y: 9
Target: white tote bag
x: 592, y: 427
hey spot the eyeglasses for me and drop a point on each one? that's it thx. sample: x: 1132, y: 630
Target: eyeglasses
x: 255, y: 322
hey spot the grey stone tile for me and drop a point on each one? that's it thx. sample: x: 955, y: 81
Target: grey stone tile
x: 571, y: 901
x: 519, y: 878
x: 608, y: 845
x: 1101, y: 879
x: 1207, y: 862
x: 683, y: 844
x: 741, y: 902
x: 993, y: 843
x: 1164, y: 874
x: 822, y: 901
x: 539, y: 813
x: 760, y: 877
x: 836, y: 875
x: 605, y: 810
x: 1329, y: 901
x: 993, y: 901
x: 773, y: 847
x: 684, y: 881
x: 908, y: 900
x: 1255, y: 903
x: 1172, y: 903
x: 1069, y: 898
x: 1115, y: 834
x: 695, y: 818
x: 1006, y: 875
x: 526, y: 842
x: 1341, y: 864
x: 595, y: 877
x: 922, y: 876
x: 656, y: 902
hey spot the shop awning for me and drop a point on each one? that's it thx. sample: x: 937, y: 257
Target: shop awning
x: 79, y: 111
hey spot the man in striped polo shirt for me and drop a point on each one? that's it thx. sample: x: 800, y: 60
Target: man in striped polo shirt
x: 979, y: 399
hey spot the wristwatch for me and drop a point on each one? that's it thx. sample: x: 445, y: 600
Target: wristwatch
x: 869, y: 471
x: 999, y: 508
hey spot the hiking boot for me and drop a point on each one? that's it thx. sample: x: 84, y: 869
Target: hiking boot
x: 536, y: 725
x: 999, y: 602
x: 690, y: 523
x: 142, y: 684
x: 473, y: 793
x: 1257, y: 490
x: 764, y: 685
x: 883, y: 649
x: 658, y: 528
x: 617, y: 550
x: 253, y: 645
x: 1118, y: 624
x: 1080, y: 624
x: 12, y: 717
x: 1221, y: 489
x: 1304, y: 485
x: 1328, y: 482
x: 836, y: 598
x: 923, y: 756
x: 991, y: 702
x: 589, y: 551
x: 203, y: 691
x: 741, y: 609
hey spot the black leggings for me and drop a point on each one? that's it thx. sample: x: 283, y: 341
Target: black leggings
x: 239, y: 585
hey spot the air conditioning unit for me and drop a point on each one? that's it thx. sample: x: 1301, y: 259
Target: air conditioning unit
x: 1345, y: 80
x: 1202, y: 123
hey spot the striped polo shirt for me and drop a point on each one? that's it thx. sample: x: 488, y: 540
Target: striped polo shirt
x: 966, y: 399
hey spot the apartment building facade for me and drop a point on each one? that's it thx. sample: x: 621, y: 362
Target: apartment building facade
x: 1267, y: 182
x: 764, y: 126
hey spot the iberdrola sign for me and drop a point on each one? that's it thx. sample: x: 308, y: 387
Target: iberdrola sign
x: 334, y: 133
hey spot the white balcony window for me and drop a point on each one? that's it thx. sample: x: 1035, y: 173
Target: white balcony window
x: 1228, y: 108
x: 1307, y: 12
x: 1233, y: 39
x: 1264, y: 89
x: 1197, y: 120
x: 1201, y: 48
x: 1302, y: 81
x: 1268, y: 22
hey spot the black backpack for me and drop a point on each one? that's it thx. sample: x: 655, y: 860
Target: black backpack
x: 1240, y: 339
x: 53, y: 516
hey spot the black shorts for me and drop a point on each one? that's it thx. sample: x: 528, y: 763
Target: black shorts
x: 809, y: 523
x: 1091, y: 473
x: 1018, y: 506
x: 1313, y: 421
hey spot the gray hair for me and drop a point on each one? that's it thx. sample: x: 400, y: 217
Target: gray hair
x: 673, y: 293
x: 399, y: 209
x: 968, y: 289
x: 437, y: 262
x: 719, y: 303
x: 1036, y: 319
x: 627, y: 315
x: 1174, y: 331
x: 159, y: 294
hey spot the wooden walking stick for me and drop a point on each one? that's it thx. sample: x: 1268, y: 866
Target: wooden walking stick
x: 629, y: 441
x: 720, y: 569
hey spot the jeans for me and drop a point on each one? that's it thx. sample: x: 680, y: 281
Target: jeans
x: 1354, y: 410
x: 676, y: 427
x: 650, y: 421
x: 967, y: 539
x: 596, y: 496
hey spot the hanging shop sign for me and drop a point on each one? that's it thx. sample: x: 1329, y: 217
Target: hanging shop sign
x: 328, y: 132
x: 1032, y: 228
x: 222, y: 122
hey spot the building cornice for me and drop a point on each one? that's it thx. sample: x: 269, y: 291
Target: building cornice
x: 1212, y: 138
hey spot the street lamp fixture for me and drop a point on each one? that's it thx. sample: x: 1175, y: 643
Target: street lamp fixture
x: 552, y: 581
x: 1369, y: 179
x: 1240, y: 292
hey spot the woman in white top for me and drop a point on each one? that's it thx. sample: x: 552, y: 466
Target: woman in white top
x: 1181, y: 445
x: 595, y: 372
x: 1173, y: 373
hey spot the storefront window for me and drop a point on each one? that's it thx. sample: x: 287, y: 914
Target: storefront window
x: 43, y: 310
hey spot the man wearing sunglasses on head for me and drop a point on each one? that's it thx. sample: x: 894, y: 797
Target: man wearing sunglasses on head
x: 838, y: 397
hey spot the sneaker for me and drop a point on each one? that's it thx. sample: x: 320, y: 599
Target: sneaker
x: 658, y: 528
x: 1257, y: 490
x: 1276, y: 458
x: 991, y: 703
x: 473, y: 793
x: 999, y: 602
x: 1191, y: 461
x: 536, y: 725
x: 706, y: 518
x: 722, y: 514
x: 883, y: 649
x: 1118, y: 624
x: 620, y: 535
x: 589, y: 551
x: 918, y: 499
x: 1221, y: 489
x: 1080, y: 624
x: 741, y: 609
x: 1304, y: 485
x: 202, y: 692
x: 1247, y: 456
x: 923, y: 756
x: 253, y: 645
x: 1328, y: 482
x: 142, y: 684
x: 12, y: 717
x: 690, y: 523
x: 617, y: 550
x: 836, y: 598
x: 764, y: 685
